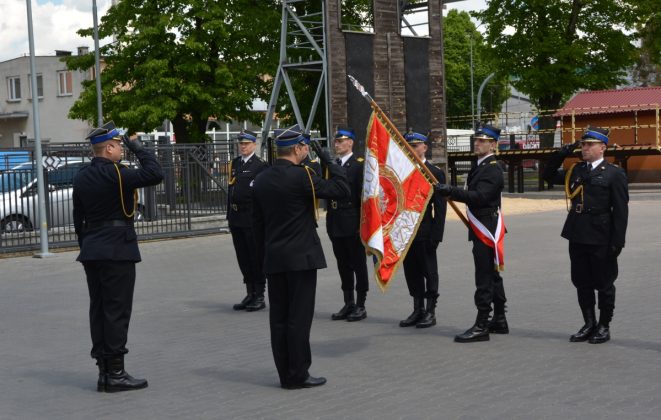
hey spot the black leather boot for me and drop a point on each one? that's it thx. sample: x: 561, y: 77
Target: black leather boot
x: 498, y: 324
x: 256, y: 304
x: 250, y: 295
x: 586, y: 330
x: 418, y: 312
x: 358, y: 311
x: 118, y: 379
x: 478, y: 332
x: 101, y: 383
x: 428, y: 318
x: 602, y: 333
x: 349, y: 305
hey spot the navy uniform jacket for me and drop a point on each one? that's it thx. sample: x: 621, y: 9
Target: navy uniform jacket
x: 484, y: 186
x: 312, y: 164
x: 96, y: 199
x: 343, y: 217
x: 239, y: 194
x: 433, y: 222
x: 284, y: 215
x: 603, y: 208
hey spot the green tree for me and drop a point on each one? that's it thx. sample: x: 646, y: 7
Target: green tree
x: 554, y: 48
x: 182, y: 60
x: 458, y: 33
x: 647, y: 71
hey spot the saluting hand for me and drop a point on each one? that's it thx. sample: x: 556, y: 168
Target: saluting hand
x: 324, y: 156
x: 133, y: 145
x: 568, y: 149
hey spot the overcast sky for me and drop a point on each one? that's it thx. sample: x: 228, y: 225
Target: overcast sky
x: 55, y: 23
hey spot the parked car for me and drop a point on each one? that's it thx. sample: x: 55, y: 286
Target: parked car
x: 19, y: 204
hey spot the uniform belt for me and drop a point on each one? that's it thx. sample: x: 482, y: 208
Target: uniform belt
x: 108, y: 223
x: 241, y: 207
x: 335, y: 205
x: 489, y: 211
x: 578, y: 208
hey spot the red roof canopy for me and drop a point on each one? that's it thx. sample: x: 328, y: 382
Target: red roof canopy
x: 612, y: 101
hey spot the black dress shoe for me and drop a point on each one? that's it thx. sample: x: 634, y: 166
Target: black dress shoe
x: 242, y: 305
x: 601, y: 336
x: 310, y: 382
x: 344, y: 312
x: 498, y: 325
x: 357, y: 314
x: 256, y: 304
x: 478, y: 332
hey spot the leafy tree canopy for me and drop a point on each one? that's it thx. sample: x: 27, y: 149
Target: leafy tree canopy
x: 182, y: 60
x: 459, y: 32
x: 554, y: 48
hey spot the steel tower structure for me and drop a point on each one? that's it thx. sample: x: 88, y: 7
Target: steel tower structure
x: 301, y: 35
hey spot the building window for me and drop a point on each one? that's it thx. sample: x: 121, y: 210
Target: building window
x: 64, y: 83
x: 357, y: 16
x: 40, y: 86
x: 14, y: 88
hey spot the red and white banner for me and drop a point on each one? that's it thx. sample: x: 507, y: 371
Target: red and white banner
x: 495, y: 241
x: 395, y: 197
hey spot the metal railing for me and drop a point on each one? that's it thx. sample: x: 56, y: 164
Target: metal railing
x: 192, y: 199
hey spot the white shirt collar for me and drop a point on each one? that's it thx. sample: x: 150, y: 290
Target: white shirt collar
x: 246, y: 159
x: 346, y: 157
x: 596, y: 163
x: 482, y: 159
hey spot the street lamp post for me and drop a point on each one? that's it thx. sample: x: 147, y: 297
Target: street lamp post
x: 97, y: 66
x: 472, y: 91
x: 41, y: 194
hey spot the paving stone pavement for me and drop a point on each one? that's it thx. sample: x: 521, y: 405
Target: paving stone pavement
x: 205, y: 361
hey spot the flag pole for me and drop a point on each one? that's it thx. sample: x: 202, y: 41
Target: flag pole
x: 391, y: 127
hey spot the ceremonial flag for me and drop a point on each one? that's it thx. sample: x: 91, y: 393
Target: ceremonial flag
x: 395, y: 197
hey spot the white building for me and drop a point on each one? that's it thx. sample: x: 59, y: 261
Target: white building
x: 57, y: 90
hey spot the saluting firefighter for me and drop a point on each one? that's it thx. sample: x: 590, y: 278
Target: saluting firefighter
x: 421, y: 264
x: 596, y: 226
x: 482, y: 195
x: 343, y: 227
x: 104, y: 204
x: 285, y: 213
x: 244, y: 168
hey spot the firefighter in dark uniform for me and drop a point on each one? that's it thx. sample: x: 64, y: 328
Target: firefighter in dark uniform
x: 343, y: 227
x: 421, y: 264
x: 243, y: 170
x: 596, y: 226
x: 482, y: 195
x: 104, y: 203
x: 284, y: 214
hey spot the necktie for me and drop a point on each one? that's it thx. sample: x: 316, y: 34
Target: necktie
x: 338, y: 161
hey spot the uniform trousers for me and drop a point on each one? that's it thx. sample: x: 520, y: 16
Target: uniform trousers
x: 592, y: 269
x: 488, y: 282
x: 292, y: 295
x: 350, y: 255
x: 420, y: 265
x: 110, y: 285
x: 251, y: 269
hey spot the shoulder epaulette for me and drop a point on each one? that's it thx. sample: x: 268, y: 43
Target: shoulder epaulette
x: 360, y: 159
x: 493, y: 162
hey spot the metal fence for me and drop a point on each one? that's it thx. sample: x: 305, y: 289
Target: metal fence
x: 192, y: 199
